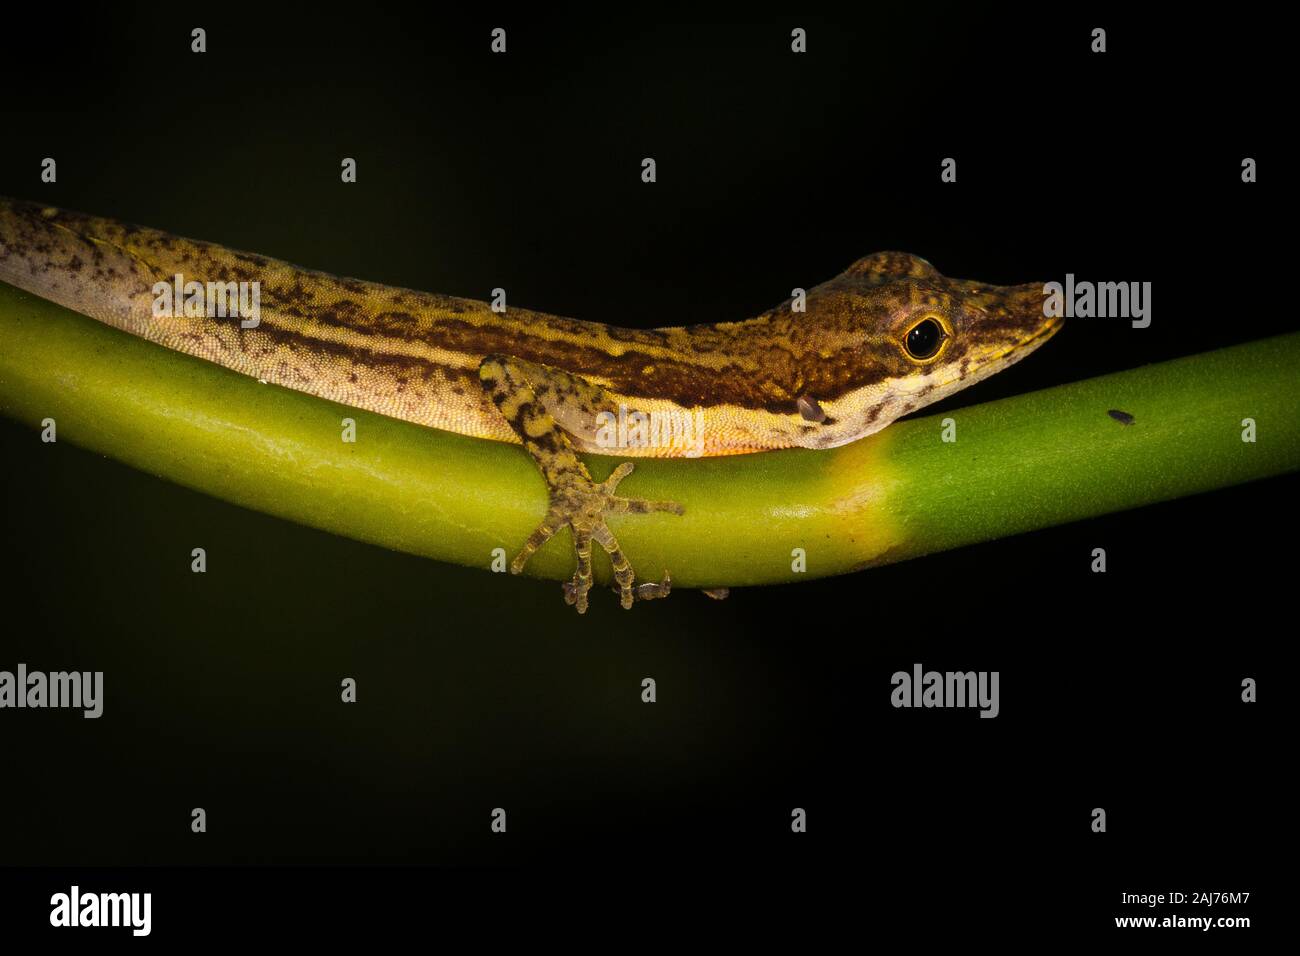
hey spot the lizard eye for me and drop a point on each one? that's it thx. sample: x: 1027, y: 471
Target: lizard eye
x: 924, y: 339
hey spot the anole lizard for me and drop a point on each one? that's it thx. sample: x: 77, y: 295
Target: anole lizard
x: 884, y: 338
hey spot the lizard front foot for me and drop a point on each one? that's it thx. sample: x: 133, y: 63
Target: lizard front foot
x: 581, y: 504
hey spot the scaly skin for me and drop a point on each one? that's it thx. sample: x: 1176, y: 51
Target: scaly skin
x: 815, y: 379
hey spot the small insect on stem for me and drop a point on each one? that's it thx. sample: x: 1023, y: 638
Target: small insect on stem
x: 1124, y: 418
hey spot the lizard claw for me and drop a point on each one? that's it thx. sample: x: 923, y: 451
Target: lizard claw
x: 581, y: 504
x: 645, y: 591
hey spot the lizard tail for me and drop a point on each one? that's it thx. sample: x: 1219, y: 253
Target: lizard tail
x: 81, y: 262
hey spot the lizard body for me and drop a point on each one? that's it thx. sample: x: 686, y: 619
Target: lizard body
x: 887, y: 336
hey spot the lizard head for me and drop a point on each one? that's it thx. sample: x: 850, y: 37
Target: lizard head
x: 891, y: 335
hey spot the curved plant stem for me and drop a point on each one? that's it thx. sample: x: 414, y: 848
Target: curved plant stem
x: 1022, y: 463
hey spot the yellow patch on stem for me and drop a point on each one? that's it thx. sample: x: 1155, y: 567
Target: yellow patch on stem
x: 857, y: 484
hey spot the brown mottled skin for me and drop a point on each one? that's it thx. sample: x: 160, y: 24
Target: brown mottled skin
x: 817, y: 378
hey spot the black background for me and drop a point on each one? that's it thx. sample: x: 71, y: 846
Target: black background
x: 774, y: 170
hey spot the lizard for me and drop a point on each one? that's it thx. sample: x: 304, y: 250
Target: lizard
x: 827, y: 366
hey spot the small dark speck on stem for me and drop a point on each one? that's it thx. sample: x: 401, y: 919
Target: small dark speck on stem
x: 1124, y: 418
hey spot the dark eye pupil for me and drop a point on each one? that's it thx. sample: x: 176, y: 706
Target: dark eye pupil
x: 923, y: 341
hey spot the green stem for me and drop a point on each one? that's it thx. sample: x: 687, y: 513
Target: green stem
x: 1022, y: 463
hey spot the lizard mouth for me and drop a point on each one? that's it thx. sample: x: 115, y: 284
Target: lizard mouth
x: 993, y: 362
x: 1036, y: 338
